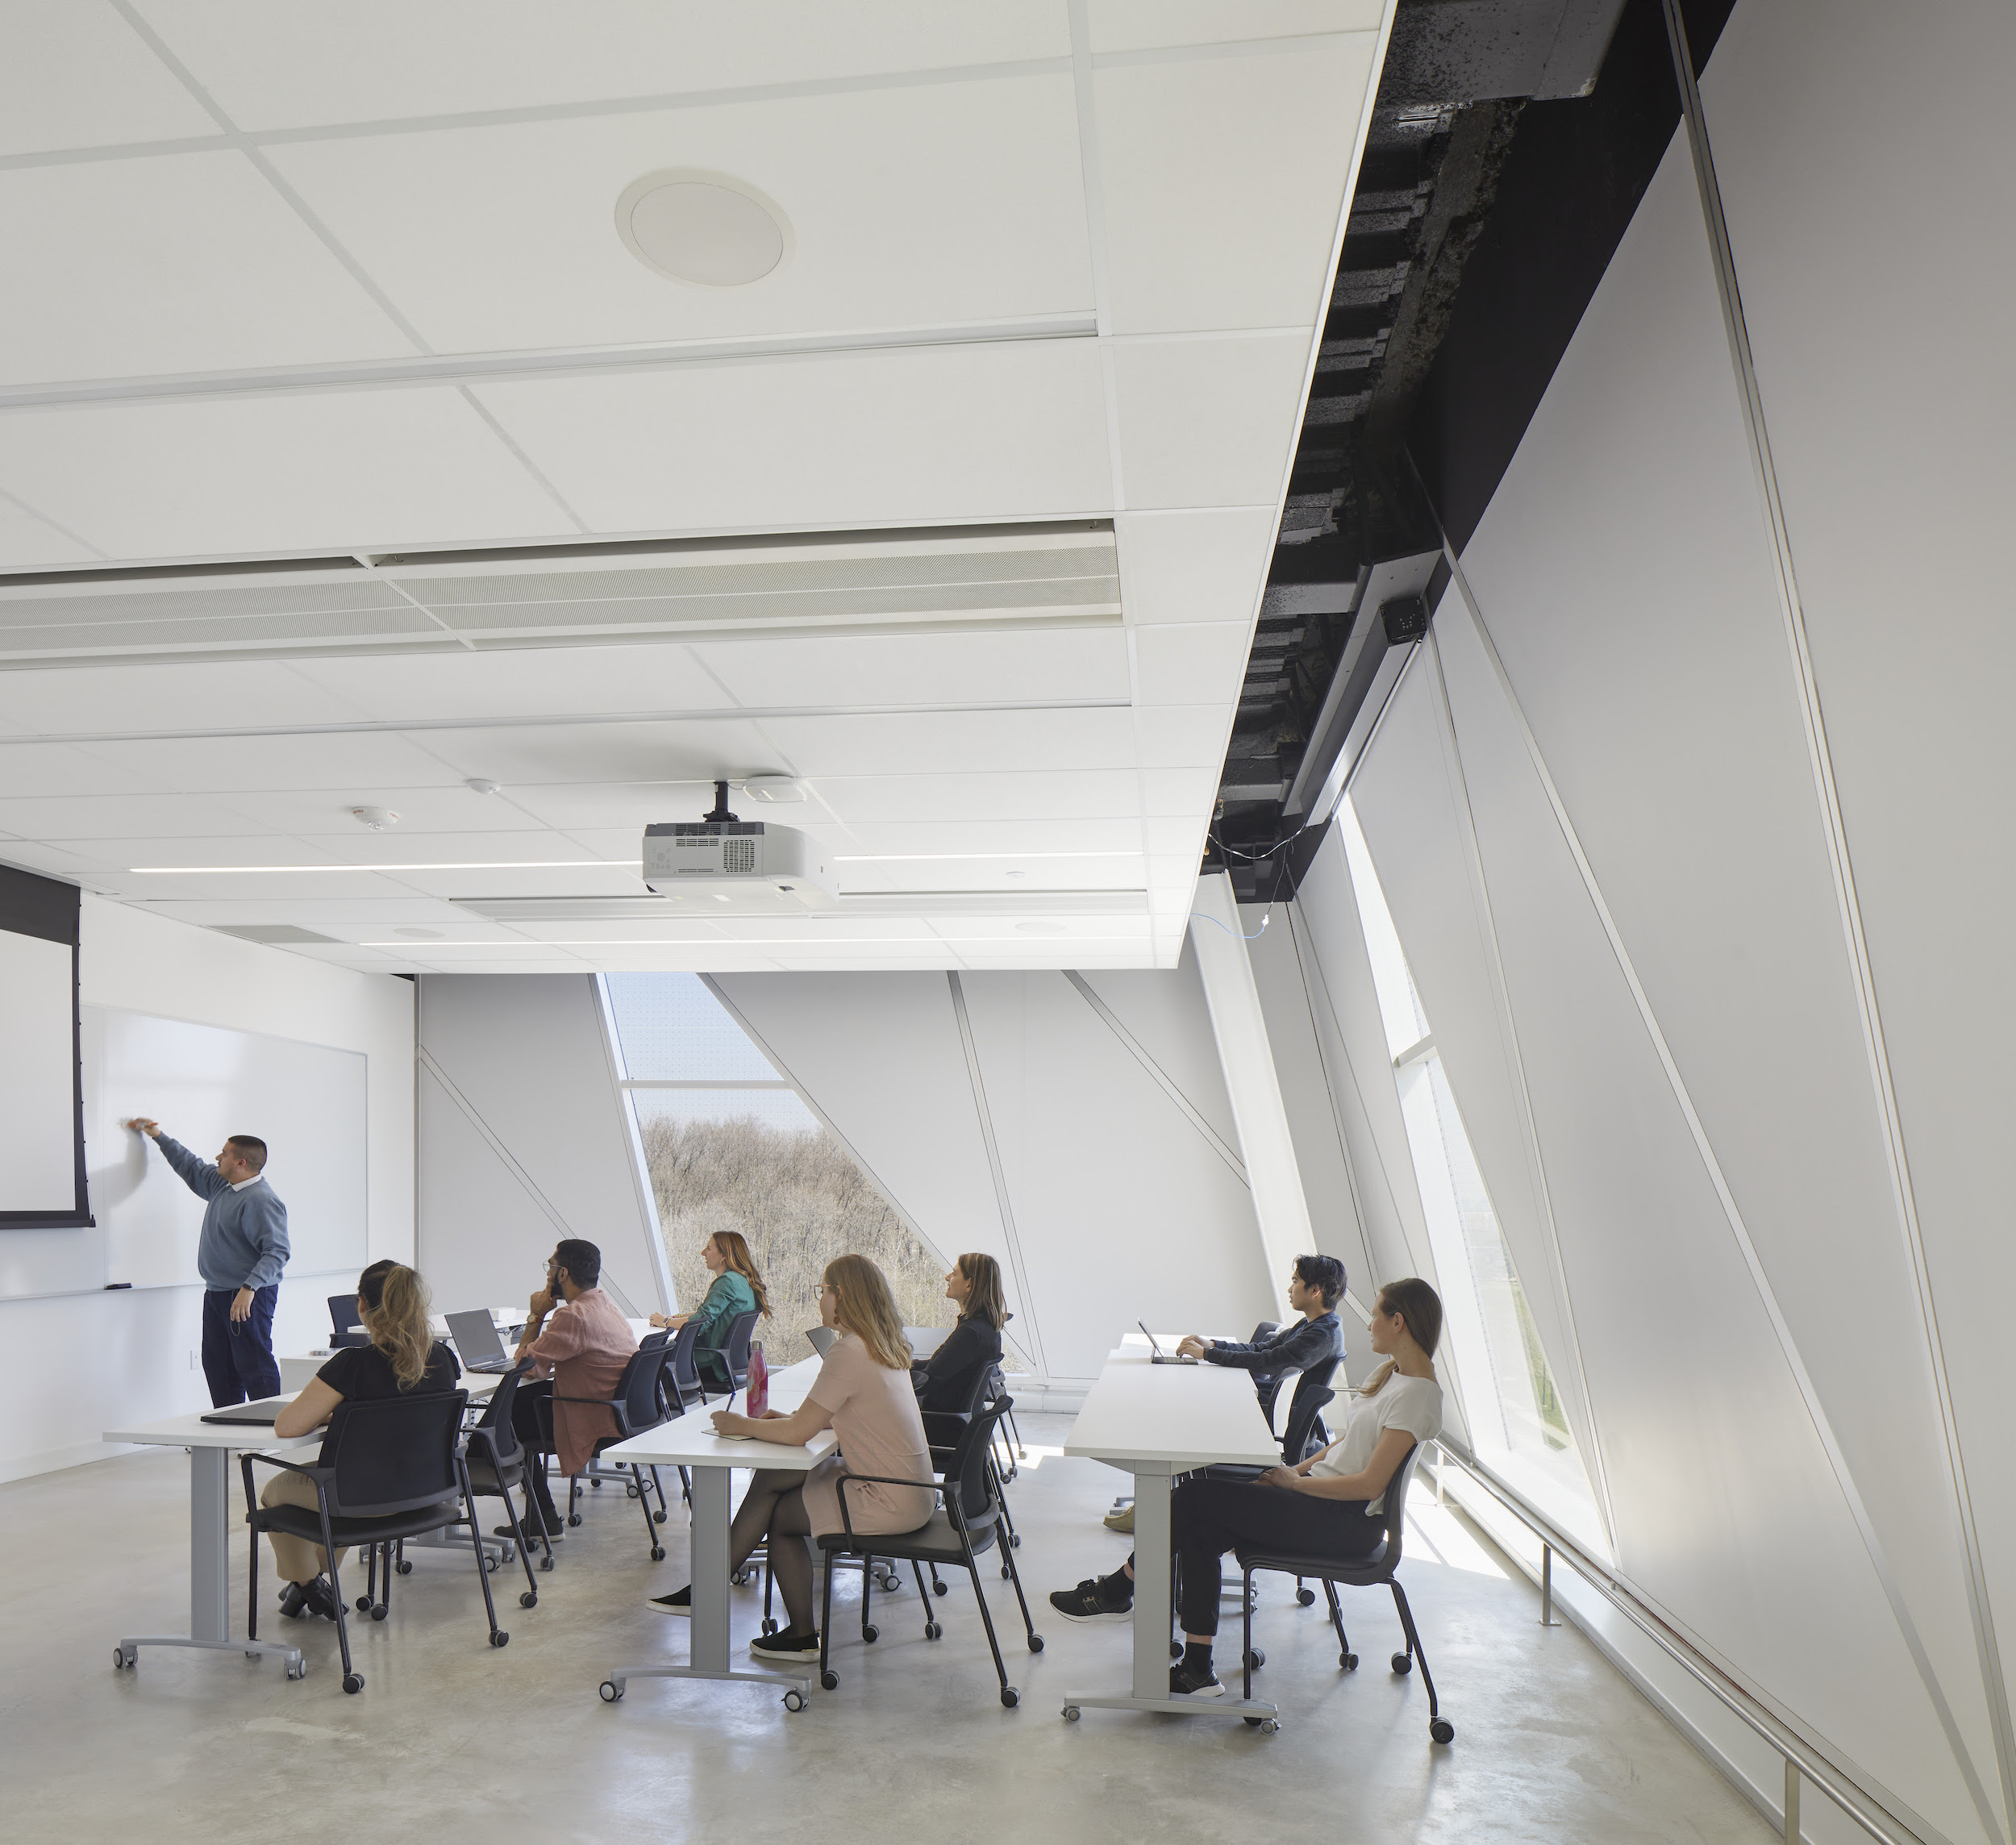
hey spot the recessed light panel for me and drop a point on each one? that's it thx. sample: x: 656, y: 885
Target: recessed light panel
x: 703, y: 228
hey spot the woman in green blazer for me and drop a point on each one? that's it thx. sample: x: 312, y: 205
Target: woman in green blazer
x: 736, y: 1289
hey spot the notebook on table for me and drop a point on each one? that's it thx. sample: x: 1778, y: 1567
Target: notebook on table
x: 475, y: 1342
x: 260, y: 1413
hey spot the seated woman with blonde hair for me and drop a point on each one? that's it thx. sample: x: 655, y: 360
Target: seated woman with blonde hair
x: 863, y: 1394
x: 403, y: 1358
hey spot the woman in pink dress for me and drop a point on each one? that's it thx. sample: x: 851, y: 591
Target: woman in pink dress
x: 864, y: 1394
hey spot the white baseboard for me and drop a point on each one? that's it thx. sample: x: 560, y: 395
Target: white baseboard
x: 55, y: 1460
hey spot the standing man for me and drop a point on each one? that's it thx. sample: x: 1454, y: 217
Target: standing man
x: 243, y: 1249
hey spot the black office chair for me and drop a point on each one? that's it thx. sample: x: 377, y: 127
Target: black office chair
x: 397, y: 1471
x: 735, y: 1351
x: 968, y: 1522
x: 639, y: 1403
x: 1368, y: 1571
x: 680, y: 1365
x: 496, y: 1461
x: 343, y: 1315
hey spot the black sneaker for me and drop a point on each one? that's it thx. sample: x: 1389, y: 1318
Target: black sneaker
x: 1187, y: 1681
x: 679, y: 1602
x: 531, y: 1530
x: 1090, y: 1600
x: 785, y: 1646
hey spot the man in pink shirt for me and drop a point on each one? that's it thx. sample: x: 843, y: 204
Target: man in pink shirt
x: 574, y: 1334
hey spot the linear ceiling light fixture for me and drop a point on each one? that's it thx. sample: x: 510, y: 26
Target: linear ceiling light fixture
x: 481, y: 864
x: 936, y: 858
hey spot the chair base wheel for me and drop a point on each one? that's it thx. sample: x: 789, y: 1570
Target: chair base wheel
x: 500, y: 1638
x: 769, y: 1626
x: 364, y: 1605
x: 794, y: 1701
x: 1014, y: 1541
x: 1009, y: 1697
x: 1306, y: 1597
x: 574, y: 1517
x: 1255, y: 1659
x: 611, y: 1690
x: 379, y: 1611
x: 1348, y: 1662
x: 1036, y: 1643
x: 830, y: 1681
x: 657, y: 1517
x: 529, y: 1599
x: 353, y: 1681
x: 941, y: 1588
x: 1441, y: 1729
x: 403, y: 1566
x: 870, y: 1634
x: 1402, y: 1662
x: 933, y: 1631
x: 657, y: 1553
x: 546, y: 1562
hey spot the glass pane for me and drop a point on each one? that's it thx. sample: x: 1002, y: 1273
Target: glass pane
x: 779, y: 1109
x: 672, y: 1028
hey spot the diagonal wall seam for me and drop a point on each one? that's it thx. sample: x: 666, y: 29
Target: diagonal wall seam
x: 1781, y: 1330
x: 1820, y: 760
x: 994, y: 1166
x: 1529, y: 1129
x: 1163, y: 1080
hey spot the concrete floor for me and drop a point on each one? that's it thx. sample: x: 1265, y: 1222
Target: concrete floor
x: 449, y: 1736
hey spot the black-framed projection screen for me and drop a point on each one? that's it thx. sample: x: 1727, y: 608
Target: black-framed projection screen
x: 42, y: 1182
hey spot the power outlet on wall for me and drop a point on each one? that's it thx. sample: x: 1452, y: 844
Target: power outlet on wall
x: 192, y: 1361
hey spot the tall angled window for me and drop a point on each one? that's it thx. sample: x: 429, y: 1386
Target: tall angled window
x: 1514, y: 1411
x: 729, y: 1145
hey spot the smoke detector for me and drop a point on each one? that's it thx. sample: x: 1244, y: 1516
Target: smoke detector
x: 703, y: 228
x: 376, y: 818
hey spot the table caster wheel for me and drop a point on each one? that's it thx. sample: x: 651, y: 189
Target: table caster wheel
x: 379, y: 1611
x: 830, y: 1681
x: 500, y: 1638
x: 300, y: 1670
x: 657, y: 1553
x: 769, y: 1626
x: 1441, y: 1729
x: 1255, y: 1659
x: 1347, y: 1662
x: 403, y: 1566
x: 1072, y: 1714
x: 490, y: 1565
x: 353, y: 1681
x: 1009, y: 1697
x: 1176, y: 1649
x: 529, y: 1598
x: 794, y: 1701
x: 1402, y: 1662
x: 1269, y: 1727
x: 870, y: 1634
x: 251, y: 1652
x: 610, y: 1691
x: 1306, y: 1597
x: 118, y: 1659
x: 1036, y: 1643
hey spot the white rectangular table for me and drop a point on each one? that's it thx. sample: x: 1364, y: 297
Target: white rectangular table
x: 1154, y: 1421
x: 210, y: 1446
x: 689, y: 1442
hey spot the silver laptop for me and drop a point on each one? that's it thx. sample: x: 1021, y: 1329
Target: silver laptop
x: 475, y: 1342
x: 1158, y: 1356
x: 823, y: 1338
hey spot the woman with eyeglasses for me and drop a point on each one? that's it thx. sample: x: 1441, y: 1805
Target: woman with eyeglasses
x: 863, y: 1394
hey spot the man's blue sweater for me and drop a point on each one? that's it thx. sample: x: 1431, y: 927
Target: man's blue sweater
x: 245, y: 1241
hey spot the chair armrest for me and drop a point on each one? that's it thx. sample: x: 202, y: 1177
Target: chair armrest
x: 321, y: 1475
x: 843, y: 1481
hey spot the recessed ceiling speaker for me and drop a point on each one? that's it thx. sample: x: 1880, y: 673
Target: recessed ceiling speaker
x: 704, y: 228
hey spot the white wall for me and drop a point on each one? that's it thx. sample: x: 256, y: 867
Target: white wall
x: 85, y: 1361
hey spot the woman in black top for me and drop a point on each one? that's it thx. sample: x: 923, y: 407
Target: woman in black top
x: 945, y: 1380
x: 403, y: 1358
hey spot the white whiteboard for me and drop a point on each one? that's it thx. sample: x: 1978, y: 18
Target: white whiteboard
x: 38, y: 1148
x: 202, y: 1083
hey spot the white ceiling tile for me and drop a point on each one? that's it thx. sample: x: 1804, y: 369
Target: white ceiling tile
x: 920, y: 743
x: 1007, y: 431
x: 74, y: 74
x: 1194, y: 566
x: 359, y: 917
x: 1183, y: 835
x: 1024, y: 879
x: 1094, y: 793
x: 223, y: 845
x: 60, y: 768
x: 589, y: 881
x: 1144, y: 25
x: 1173, y: 792
x: 272, y: 66
x: 602, y: 815
x: 1222, y: 179
x: 517, y: 682
x: 1180, y: 736
x: 29, y: 542
x: 232, y: 276
x: 334, y: 761
x: 431, y: 812
x: 80, y: 866
x: 1209, y: 422
x: 996, y: 666
x: 74, y: 817
x: 394, y: 849
x: 208, y: 695
x: 527, y: 758
x: 1032, y: 838
x: 1191, y: 663
x: 504, y: 238
x: 304, y: 472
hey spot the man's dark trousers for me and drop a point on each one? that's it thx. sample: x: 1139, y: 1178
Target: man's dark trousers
x: 238, y: 1355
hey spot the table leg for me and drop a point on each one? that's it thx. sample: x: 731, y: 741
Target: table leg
x: 1150, y: 1690
x: 707, y: 1651
x: 209, y: 1566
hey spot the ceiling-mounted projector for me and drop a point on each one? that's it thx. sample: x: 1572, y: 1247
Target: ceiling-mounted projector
x: 722, y: 866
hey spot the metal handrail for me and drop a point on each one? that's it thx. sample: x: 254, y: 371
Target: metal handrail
x: 1802, y: 1762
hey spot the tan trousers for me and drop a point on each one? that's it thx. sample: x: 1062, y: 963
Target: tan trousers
x: 296, y: 1559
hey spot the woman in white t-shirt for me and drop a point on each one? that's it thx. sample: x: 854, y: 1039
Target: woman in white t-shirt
x: 1333, y: 1502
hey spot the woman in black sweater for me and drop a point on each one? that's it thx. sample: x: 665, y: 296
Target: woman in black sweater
x: 945, y: 1380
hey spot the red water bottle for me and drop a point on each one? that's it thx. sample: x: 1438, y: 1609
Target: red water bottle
x: 759, y: 1390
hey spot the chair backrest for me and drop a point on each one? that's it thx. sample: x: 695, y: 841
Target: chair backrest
x: 970, y: 1485
x: 679, y: 1365
x: 1312, y: 1392
x: 736, y: 1351
x: 637, y: 1389
x: 343, y: 1315
x: 496, y: 1420
x: 394, y: 1454
x: 1393, y: 1512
